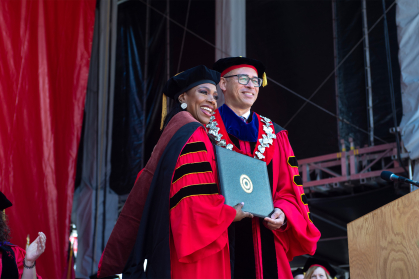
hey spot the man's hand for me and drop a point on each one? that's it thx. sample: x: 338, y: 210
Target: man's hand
x: 35, y: 249
x: 276, y: 221
x: 241, y: 214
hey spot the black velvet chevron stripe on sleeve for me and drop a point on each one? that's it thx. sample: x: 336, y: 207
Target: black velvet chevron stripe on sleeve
x: 304, y: 199
x: 292, y: 161
x: 193, y: 147
x: 297, y: 180
x: 191, y: 168
x: 193, y: 190
x: 308, y: 214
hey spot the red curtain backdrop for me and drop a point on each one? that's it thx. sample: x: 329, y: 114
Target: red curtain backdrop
x: 45, y: 49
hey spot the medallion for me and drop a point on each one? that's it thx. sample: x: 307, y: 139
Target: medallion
x: 265, y: 140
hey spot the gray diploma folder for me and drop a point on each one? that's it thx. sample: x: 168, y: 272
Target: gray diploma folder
x: 244, y: 179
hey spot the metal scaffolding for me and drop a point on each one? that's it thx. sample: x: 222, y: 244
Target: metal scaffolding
x: 350, y: 167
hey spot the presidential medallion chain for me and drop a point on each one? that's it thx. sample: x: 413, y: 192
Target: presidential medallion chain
x: 213, y: 130
x: 264, y: 142
x: 267, y: 138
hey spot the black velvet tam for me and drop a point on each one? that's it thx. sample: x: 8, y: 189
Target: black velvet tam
x: 188, y: 79
x: 4, y: 202
x: 317, y: 262
x: 224, y: 64
x: 298, y: 271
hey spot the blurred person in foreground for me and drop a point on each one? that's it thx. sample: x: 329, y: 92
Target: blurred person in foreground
x: 184, y: 221
x: 15, y: 262
x: 262, y: 248
x: 318, y: 269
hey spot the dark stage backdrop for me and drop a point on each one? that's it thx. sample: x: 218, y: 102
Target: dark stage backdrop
x: 352, y: 76
x: 130, y: 120
x: 295, y: 41
x: 128, y: 124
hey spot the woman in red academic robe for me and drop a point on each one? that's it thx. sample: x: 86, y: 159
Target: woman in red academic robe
x: 183, y: 231
x: 15, y: 262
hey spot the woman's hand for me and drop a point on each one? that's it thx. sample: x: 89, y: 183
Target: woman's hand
x: 35, y: 250
x: 241, y: 214
x: 276, y: 221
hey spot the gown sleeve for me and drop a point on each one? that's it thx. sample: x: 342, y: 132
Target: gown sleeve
x: 300, y: 235
x: 198, y: 216
x: 20, y: 257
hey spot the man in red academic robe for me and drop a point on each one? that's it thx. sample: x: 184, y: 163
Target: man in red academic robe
x: 262, y: 248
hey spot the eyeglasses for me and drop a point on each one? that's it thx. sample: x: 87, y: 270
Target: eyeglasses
x: 244, y: 79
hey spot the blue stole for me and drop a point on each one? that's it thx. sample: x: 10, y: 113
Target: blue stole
x: 237, y: 127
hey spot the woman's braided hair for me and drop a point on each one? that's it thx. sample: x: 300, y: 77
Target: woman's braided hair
x: 4, y: 228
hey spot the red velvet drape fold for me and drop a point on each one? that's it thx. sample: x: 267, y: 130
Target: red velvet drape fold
x: 45, y: 50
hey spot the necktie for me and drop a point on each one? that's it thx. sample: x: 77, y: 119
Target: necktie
x: 244, y: 119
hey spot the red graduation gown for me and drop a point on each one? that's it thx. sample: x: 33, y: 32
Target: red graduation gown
x: 123, y: 237
x: 299, y: 236
x: 197, y: 241
x: 199, y: 219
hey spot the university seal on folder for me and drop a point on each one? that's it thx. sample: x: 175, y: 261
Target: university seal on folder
x: 244, y: 179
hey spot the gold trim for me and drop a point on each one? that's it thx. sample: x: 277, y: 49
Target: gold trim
x: 163, y: 110
x: 189, y: 174
x: 193, y: 196
x: 192, y: 185
x: 193, y: 153
x: 301, y: 196
x: 195, y: 142
x: 293, y: 180
x: 288, y: 161
x: 190, y: 164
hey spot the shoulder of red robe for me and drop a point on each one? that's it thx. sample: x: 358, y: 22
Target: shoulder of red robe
x: 123, y: 236
x: 278, y: 128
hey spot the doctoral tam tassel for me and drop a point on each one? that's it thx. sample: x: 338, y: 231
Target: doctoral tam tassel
x: 163, y: 110
x: 264, y: 80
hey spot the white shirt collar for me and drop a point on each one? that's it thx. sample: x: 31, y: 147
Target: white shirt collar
x: 246, y: 115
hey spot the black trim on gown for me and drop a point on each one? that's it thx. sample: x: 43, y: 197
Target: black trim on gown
x: 240, y: 236
x: 153, y: 235
x: 8, y: 260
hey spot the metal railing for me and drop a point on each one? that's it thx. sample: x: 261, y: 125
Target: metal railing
x: 355, y: 164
